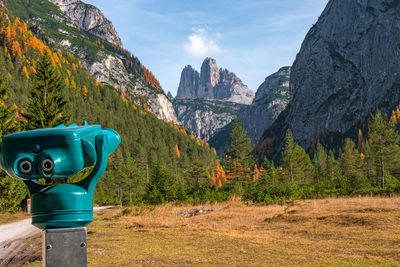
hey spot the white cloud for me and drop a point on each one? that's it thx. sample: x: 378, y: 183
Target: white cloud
x: 201, y: 44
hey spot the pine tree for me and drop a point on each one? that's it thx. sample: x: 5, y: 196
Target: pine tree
x: 351, y: 161
x: 239, y: 158
x: 320, y: 163
x: 384, y: 140
x: 296, y: 163
x: 12, y: 192
x: 7, y: 114
x: 332, y: 167
x: 46, y: 107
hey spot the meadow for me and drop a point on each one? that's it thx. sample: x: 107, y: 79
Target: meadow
x: 356, y: 231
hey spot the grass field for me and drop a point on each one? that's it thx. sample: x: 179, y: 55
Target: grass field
x: 11, y: 217
x: 345, y: 231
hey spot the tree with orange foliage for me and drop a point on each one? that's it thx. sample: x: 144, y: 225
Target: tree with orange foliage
x: 16, y: 49
x: 256, y: 173
x: 24, y: 72
x: 84, y: 92
x: 178, y: 154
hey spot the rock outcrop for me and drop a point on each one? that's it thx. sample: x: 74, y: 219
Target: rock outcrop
x: 203, y: 117
x: 115, y: 67
x: 271, y: 99
x: 347, y: 67
x: 90, y: 19
x: 189, y: 83
x: 209, y: 100
x: 213, y: 83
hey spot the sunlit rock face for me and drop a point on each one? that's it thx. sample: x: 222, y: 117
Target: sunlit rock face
x: 104, y: 65
x: 90, y: 19
x: 209, y: 100
x: 213, y: 83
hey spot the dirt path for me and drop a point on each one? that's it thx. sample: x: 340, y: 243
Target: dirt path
x: 20, y: 242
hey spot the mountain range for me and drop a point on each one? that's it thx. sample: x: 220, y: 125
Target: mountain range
x: 209, y: 100
x: 347, y: 68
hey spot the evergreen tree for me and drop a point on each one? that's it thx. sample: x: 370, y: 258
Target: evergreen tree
x: 46, y: 107
x: 296, y: 163
x: 332, y: 167
x: 7, y: 114
x: 12, y: 192
x: 351, y: 161
x: 162, y: 185
x: 320, y: 161
x: 384, y: 140
x: 131, y: 175
x: 238, y: 156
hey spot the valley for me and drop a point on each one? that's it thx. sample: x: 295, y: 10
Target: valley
x: 355, y: 231
x: 301, y: 169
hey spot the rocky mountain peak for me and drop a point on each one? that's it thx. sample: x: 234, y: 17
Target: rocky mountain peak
x: 209, y: 76
x: 213, y: 83
x: 279, y: 78
x: 89, y: 18
x: 189, y: 83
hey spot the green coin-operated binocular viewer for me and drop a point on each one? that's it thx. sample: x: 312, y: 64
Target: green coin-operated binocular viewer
x: 62, y: 210
x: 54, y: 153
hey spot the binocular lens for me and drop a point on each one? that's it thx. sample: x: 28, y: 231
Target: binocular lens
x: 47, y: 165
x: 25, y: 166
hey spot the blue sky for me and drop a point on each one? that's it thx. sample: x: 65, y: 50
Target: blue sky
x: 252, y: 38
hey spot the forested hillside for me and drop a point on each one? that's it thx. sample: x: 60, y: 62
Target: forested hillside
x: 146, y: 140
x: 107, y: 62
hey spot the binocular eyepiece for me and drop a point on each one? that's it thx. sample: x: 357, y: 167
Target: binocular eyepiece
x: 54, y: 152
x: 25, y: 166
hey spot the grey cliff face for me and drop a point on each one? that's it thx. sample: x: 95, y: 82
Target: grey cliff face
x: 90, y: 19
x: 209, y: 78
x: 203, y: 117
x: 347, y: 67
x: 189, y: 84
x: 213, y: 83
x: 104, y: 65
x: 271, y: 99
x: 209, y: 100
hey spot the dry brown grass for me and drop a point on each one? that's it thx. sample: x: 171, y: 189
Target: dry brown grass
x: 12, y: 217
x: 337, y: 231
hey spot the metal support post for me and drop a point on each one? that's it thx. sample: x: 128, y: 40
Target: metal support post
x: 65, y: 247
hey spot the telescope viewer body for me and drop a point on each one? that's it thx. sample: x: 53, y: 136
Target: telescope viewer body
x: 54, y: 153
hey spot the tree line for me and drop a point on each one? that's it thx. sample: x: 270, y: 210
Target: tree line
x: 159, y: 162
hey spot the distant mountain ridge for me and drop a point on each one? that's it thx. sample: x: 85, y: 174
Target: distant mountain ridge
x: 209, y: 100
x: 213, y: 83
x: 271, y: 99
x: 347, y: 67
